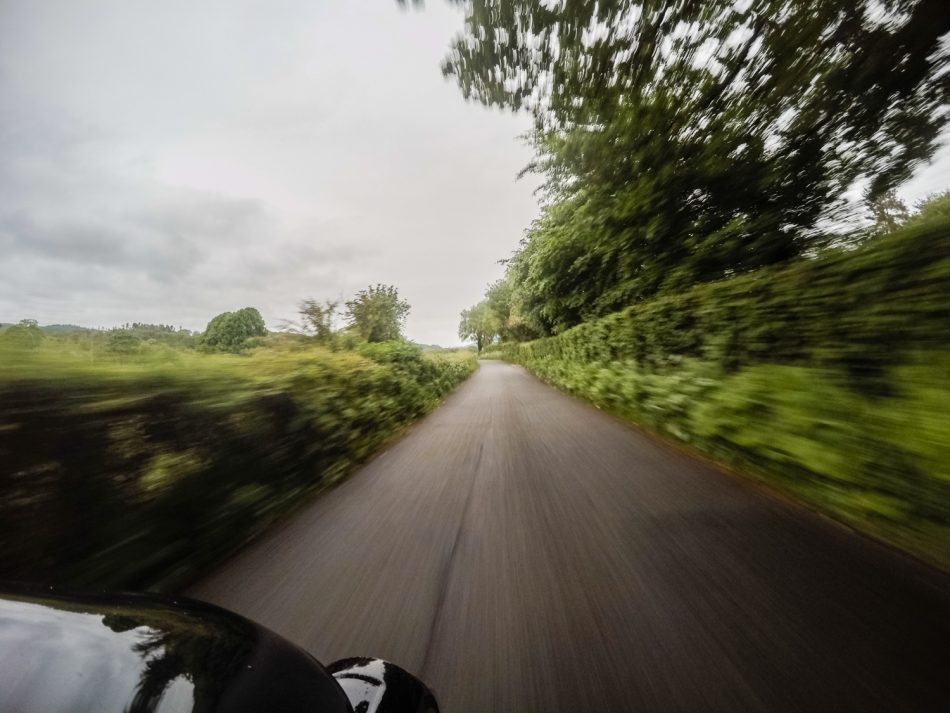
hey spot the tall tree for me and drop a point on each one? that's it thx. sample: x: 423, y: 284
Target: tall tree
x: 685, y: 140
x: 318, y: 318
x: 479, y: 324
x: 377, y: 313
x: 887, y: 211
x: 505, y: 303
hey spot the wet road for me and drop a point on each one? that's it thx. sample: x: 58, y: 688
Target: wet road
x: 522, y: 551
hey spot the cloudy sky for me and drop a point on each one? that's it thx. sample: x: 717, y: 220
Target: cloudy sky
x: 164, y: 162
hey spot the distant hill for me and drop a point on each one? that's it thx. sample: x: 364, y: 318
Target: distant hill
x: 54, y: 328
x: 428, y: 347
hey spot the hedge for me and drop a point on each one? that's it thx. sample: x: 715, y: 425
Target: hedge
x: 829, y: 377
x: 130, y: 476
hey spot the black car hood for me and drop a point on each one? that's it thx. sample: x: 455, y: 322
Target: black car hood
x: 140, y: 653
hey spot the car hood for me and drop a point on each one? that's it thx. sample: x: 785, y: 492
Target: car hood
x: 142, y: 654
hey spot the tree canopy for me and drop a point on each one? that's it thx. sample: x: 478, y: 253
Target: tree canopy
x: 479, y: 324
x: 887, y: 210
x: 318, y: 318
x: 683, y: 141
x: 933, y: 208
x: 377, y: 313
x: 229, y: 331
x: 26, y: 334
x: 123, y: 342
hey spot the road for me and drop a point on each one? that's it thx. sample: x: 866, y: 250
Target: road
x: 522, y: 551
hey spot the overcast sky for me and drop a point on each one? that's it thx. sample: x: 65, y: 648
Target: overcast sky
x: 164, y: 162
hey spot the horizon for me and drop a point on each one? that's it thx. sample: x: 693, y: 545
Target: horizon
x: 255, y: 169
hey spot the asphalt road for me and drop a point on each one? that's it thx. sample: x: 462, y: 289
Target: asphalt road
x: 521, y: 551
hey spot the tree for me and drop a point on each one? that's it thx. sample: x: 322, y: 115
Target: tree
x: 230, y: 331
x: 123, y: 342
x: 887, y: 211
x: 504, y: 301
x: 934, y: 207
x: 683, y: 141
x: 24, y: 335
x: 318, y: 318
x: 480, y: 324
x: 377, y: 313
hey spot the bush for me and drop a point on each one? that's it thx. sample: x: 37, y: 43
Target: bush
x: 123, y: 343
x: 234, y: 331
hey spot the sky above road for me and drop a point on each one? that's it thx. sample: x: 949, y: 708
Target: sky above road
x: 164, y: 162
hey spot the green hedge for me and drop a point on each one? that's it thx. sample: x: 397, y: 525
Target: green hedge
x: 139, y: 476
x: 830, y: 378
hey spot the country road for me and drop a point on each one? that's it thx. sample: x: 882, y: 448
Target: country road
x: 521, y: 551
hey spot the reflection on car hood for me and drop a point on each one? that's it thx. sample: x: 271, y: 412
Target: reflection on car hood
x: 137, y: 654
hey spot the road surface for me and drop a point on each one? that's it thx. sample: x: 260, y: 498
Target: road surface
x: 522, y: 551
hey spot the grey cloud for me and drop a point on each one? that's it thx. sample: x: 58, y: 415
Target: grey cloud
x: 244, y: 167
x: 166, y: 238
x: 20, y: 233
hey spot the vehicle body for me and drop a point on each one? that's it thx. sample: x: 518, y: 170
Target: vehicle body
x: 142, y: 653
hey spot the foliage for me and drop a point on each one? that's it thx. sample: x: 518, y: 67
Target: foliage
x: 888, y: 211
x: 123, y: 343
x: 318, y: 319
x: 498, y: 316
x: 230, y: 331
x: 377, y: 313
x: 934, y: 208
x: 502, y: 298
x: 177, y: 337
x: 139, y: 475
x: 829, y: 377
x: 856, y: 309
x: 144, y: 330
x: 479, y: 324
x: 24, y: 335
x: 689, y: 141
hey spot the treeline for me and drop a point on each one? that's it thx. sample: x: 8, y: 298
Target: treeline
x: 503, y: 316
x: 137, y: 472
x: 130, y: 338
x: 689, y: 142
x: 375, y: 314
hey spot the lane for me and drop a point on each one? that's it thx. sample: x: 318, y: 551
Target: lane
x: 522, y: 551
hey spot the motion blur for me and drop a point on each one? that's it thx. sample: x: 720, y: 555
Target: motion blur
x: 721, y: 252
x: 739, y: 245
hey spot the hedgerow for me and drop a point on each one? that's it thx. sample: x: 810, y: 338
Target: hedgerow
x: 829, y: 377
x: 139, y: 476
